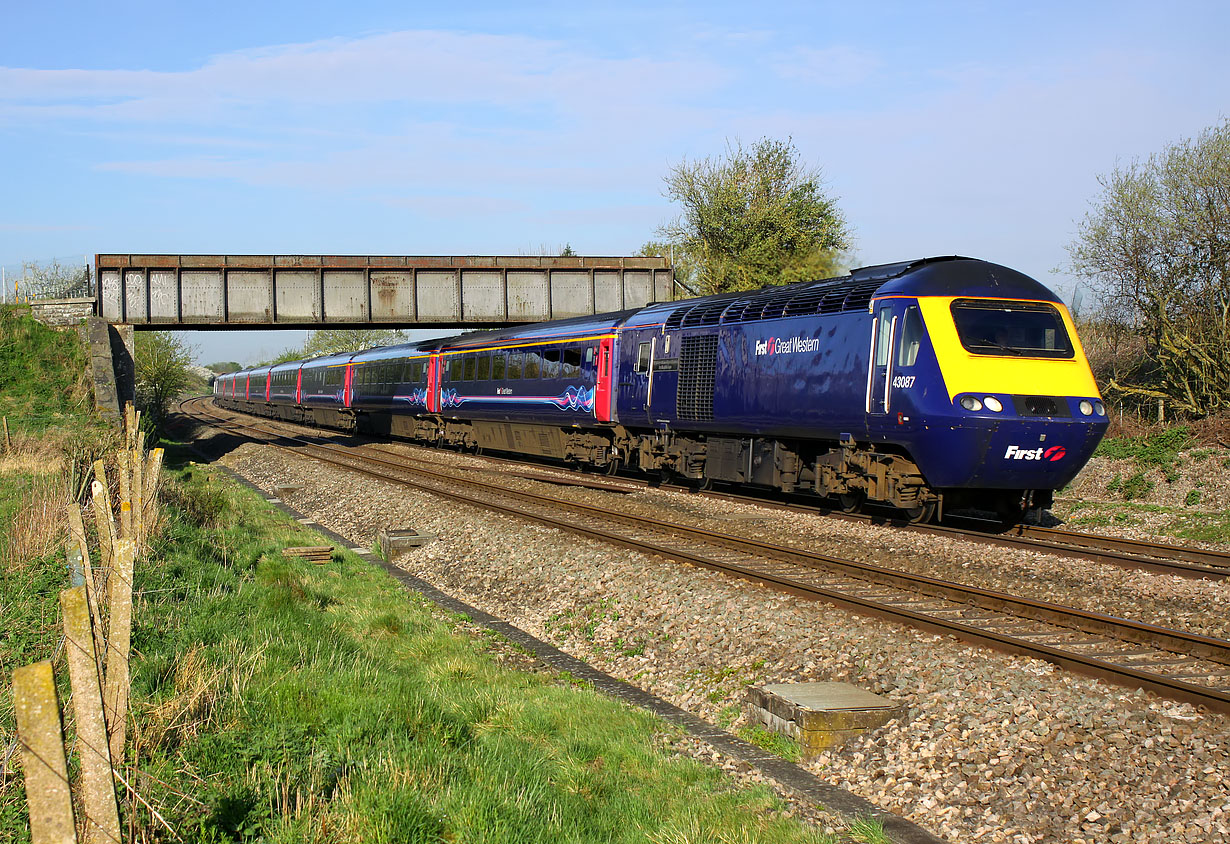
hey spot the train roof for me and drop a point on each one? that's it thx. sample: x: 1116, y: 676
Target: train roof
x: 560, y: 330
x: 400, y: 351
x: 941, y: 276
x: 958, y: 276
x: 328, y: 360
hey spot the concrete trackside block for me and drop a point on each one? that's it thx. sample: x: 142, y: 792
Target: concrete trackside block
x: 820, y: 715
x: 393, y: 541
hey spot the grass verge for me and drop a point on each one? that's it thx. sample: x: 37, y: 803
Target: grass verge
x: 1174, y: 522
x: 280, y: 701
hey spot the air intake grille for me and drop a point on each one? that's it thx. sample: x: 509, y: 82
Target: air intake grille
x: 697, y: 362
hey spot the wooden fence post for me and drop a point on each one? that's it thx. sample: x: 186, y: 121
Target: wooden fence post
x: 124, y: 470
x: 46, y: 770
x: 77, y: 526
x: 105, y: 521
x: 138, y: 491
x: 102, y: 819
x: 152, y: 472
x: 115, y: 696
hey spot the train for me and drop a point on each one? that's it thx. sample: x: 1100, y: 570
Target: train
x: 928, y: 386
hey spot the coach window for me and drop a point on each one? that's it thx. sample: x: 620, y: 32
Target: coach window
x: 550, y: 363
x: 484, y: 366
x: 514, y: 366
x: 642, y: 358
x: 532, y: 367
x: 497, y: 366
x: 469, y: 371
x: 416, y: 371
x: 446, y: 373
x: 570, y: 365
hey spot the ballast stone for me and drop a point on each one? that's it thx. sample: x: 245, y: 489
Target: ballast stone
x: 821, y: 716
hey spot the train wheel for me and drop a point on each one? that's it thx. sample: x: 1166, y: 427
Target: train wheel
x: 613, y: 466
x: 851, y: 502
x: 921, y: 514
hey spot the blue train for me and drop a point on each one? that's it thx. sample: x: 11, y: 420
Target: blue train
x: 927, y: 386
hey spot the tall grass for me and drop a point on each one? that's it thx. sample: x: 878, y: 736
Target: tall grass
x: 37, y: 528
x: 43, y: 380
x: 281, y: 701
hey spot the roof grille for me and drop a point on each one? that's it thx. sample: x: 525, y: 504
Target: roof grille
x: 851, y: 293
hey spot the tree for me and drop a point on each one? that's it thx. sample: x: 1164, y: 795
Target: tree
x: 52, y: 280
x: 1156, y: 248
x: 224, y: 367
x: 753, y: 217
x: 163, y: 371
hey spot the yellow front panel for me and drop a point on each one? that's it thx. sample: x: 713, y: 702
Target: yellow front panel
x: 965, y: 372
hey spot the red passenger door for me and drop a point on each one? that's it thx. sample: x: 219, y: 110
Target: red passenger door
x: 433, y: 383
x: 347, y: 383
x: 603, y: 394
x: 299, y: 385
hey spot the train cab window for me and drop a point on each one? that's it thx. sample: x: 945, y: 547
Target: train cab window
x: 550, y: 363
x: 497, y: 366
x: 469, y: 368
x: 514, y: 366
x: 1016, y: 329
x: 884, y: 336
x: 642, y: 358
x: 532, y: 366
x: 484, y: 367
x: 911, y: 337
x: 570, y: 363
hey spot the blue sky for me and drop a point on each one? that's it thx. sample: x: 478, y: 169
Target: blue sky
x: 494, y: 128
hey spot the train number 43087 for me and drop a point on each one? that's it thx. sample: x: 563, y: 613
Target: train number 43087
x: 904, y: 381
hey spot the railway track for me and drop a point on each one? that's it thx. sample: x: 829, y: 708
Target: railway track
x: 1171, y: 663
x: 1122, y: 552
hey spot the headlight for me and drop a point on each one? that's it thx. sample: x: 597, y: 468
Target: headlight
x: 993, y: 403
x: 1086, y: 407
x: 971, y: 403
x: 1099, y: 408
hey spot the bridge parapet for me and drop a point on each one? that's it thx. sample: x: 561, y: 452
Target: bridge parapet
x: 306, y: 291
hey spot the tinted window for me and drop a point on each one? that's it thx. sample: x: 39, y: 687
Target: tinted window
x: 531, y: 367
x: 416, y: 371
x: 884, y: 336
x: 497, y: 366
x: 550, y: 363
x: 570, y: 366
x: 911, y: 337
x: 514, y: 366
x: 1011, y: 329
x: 484, y: 367
x: 642, y: 357
x: 469, y: 370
